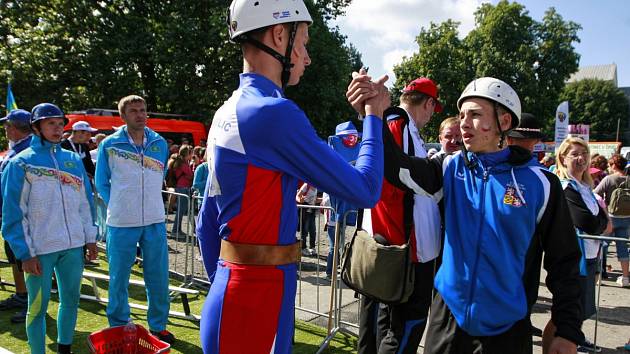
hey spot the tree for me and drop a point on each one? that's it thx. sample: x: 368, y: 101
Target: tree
x: 442, y: 59
x: 598, y: 103
x: 535, y: 58
x: 81, y: 54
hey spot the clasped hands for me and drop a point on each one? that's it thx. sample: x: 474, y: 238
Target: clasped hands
x: 368, y: 97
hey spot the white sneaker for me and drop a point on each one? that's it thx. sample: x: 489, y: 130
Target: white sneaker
x: 623, y: 281
x: 305, y: 252
x: 312, y: 252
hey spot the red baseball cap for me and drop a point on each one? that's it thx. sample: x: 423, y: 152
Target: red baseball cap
x: 426, y: 86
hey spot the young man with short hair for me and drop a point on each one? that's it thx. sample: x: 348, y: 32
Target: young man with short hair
x: 502, y: 211
x: 259, y: 146
x: 130, y: 172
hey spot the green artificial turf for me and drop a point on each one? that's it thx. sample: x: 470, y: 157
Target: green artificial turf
x: 92, y: 317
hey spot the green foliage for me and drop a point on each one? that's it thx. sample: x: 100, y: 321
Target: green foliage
x: 535, y: 58
x: 598, y: 103
x: 81, y: 54
x: 442, y: 59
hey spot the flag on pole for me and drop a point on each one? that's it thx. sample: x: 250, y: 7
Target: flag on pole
x: 11, y: 104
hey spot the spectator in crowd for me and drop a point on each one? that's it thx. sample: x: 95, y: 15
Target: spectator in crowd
x: 260, y: 145
x: 173, y: 149
x: 17, y: 127
x: 548, y: 160
x: 200, y: 178
x: 401, y: 216
x: 47, y: 219
x: 307, y: 195
x: 77, y: 142
x: 488, y: 283
x: 129, y: 177
x: 527, y: 134
x: 197, y: 157
x: 597, y: 170
x: 587, y: 215
x: 450, y: 137
x: 621, y: 223
x: 98, y: 138
x: 183, y: 181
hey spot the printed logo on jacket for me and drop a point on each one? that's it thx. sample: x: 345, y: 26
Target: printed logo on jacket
x: 66, y: 178
x: 511, y: 196
x: 150, y: 163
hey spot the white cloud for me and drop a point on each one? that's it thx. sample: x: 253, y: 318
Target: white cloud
x: 385, y: 30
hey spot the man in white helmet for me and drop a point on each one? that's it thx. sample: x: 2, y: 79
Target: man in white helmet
x: 502, y: 211
x: 259, y: 146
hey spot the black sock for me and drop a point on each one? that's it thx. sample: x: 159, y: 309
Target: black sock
x: 22, y: 295
x: 64, y: 348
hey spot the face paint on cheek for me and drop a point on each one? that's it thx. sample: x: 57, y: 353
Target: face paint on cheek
x: 485, y: 128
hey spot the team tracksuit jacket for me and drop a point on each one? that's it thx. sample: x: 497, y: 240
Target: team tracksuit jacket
x: 502, y: 210
x: 260, y: 144
x: 129, y: 178
x: 47, y: 213
x: 50, y: 183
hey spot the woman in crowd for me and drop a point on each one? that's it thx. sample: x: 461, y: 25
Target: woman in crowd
x: 183, y: 181
x: 587, y: 215
x: 621, y: 223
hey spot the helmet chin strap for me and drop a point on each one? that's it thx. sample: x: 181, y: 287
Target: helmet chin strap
x: 501, y: 132
x: 284, y: 60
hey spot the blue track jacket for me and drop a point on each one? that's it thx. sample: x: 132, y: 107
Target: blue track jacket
x: 502, y: 210
x: 130, y: 178
x: 47, y: 201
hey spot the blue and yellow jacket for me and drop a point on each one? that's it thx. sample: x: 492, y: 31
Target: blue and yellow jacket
x: 47, y: 201
x: 130, y: 178
x: 502, y: 211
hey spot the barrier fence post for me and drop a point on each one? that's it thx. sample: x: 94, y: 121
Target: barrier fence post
x: 599, y: 283
x: 336, y: 290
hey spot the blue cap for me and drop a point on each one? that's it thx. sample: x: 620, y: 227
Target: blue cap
x: 17, y: 115
x: 346, y: 128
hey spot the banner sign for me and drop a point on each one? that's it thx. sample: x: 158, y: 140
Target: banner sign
x: 562, y: 123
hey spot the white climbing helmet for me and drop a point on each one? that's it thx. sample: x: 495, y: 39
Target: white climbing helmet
x: 496, y: 91
x: 248, y: 15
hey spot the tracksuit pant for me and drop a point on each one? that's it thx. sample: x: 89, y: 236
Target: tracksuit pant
x: 397, y: 328
x: 68, y: 267
x: 121, y: 254
x: 444, y: 336
x: 249, y: 309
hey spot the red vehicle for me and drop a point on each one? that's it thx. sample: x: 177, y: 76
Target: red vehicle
x: 170, y: 126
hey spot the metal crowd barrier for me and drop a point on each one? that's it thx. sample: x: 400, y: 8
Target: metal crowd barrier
x: 599, y: 283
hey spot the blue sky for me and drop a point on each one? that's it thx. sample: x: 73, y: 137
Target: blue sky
x: 384, y: 30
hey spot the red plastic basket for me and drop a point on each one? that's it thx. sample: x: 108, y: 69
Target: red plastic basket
x: 110, y: 341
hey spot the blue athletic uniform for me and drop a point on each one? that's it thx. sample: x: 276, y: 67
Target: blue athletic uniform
x: 260, y: 145
x: 129, y: 179
x: 48, y: 214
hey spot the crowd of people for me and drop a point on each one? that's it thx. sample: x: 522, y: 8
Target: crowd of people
x: 479, y: 215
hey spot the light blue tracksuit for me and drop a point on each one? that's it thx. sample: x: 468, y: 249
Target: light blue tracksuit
x: 47, y: 213
x: 129, y: 179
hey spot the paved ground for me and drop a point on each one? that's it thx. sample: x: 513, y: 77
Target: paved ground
x: 313, y: 296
